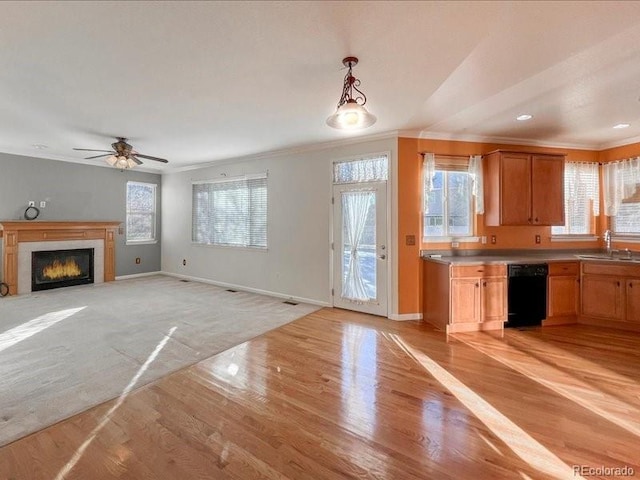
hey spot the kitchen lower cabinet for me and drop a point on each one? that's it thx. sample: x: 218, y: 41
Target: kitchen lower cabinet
x: 610, y: 295
x: 461, y: 298
x: 632, y: 301
x: 562, y: 293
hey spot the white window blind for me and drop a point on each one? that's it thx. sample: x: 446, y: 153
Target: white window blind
x: 369, y: 169
x: 621, y: 183
x: 231, y: 212
x: 141, y: 212
x: 581, y: 199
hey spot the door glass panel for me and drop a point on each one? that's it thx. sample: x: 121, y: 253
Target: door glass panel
x: 359, y: 246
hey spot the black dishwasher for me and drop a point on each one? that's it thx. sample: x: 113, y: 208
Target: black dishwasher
x: 527, y: 297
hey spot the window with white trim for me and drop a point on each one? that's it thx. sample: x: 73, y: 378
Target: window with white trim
x: 448, y: 202
x: 230, y: 212
x: 581, y: 199
x: 141, y: 212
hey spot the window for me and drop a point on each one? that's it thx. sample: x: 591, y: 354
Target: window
x: 141, y: 212
x: 622, y: 195
x: 369, y: 169
x: 230, y: 212
x: 447, y: 200
x: 581, y: 199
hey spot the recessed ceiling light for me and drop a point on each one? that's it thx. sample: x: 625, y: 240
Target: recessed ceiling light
x: 39, y: 146
x: 524, y: 117
x: 621, y: 125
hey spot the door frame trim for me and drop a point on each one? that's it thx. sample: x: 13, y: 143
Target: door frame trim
x: 392, y: 295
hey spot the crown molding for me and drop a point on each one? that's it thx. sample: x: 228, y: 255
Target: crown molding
x: 620, y: 143
x: 311, y: 147
x: 488, y: 139
x: 58, y: 158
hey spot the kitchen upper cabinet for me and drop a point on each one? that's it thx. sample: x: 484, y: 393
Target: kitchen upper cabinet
x: 523, y: 188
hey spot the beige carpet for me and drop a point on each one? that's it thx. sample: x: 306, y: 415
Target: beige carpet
x: 63, y: 351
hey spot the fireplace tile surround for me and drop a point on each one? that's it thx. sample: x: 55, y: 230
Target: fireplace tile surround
x: 21, y: 238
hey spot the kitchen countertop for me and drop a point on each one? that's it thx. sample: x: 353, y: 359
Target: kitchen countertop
x: 522, y: 258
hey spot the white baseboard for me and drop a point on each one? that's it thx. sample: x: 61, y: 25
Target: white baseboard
x: 248, y: 289
x: 137, y: 275
x: 401, y: 317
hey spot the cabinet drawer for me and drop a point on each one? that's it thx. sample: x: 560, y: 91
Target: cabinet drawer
x: 563, y: 268
x: 461, y: 271
x: 609, y: 269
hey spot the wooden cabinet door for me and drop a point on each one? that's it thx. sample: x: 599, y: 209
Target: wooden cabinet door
x: 494, y: 299
x: 633, y: 300
x: 465, y: 300
x: 563, y: 296
x: 547, y: 190
x: 515, y: 189
x: 602, y: 297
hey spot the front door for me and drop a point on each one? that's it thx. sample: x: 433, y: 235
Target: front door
x: 360, y: 253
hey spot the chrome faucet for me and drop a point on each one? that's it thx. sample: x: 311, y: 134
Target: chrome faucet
x: 607, y: 241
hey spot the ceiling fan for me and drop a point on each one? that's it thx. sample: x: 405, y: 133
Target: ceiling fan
x: 122, y: 156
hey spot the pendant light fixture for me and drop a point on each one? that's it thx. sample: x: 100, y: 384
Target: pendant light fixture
x: 351, y: 114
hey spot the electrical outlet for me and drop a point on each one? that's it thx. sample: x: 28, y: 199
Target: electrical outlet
x: 138, y: 260
x: 493, y: 240
x: 483, y: 239
x: 455, y: 244
x: 32, y: 203
x: 410, y: 239
x: 538, y: 240
x: 43, y: 204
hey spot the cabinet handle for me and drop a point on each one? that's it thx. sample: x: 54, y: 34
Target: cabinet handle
x: 618, y: 283
x: 630, y: 284
x: 529, y: 220
x: 484, y: 284
x: 536, y: 220
x: 477, y: 285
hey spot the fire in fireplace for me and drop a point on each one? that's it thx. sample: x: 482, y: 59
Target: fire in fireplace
x: 61, y: 268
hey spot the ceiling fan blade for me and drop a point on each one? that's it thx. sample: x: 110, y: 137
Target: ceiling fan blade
x: 98, y: 156
x: 91, y: 150
x: 152, y: 158
x: 133, y: 157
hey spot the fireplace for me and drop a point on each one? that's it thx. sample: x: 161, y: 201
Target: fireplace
x: 61, y: 268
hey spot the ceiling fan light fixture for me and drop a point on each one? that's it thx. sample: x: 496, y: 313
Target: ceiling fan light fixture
x: 350, y: 113
x: 111, y: 160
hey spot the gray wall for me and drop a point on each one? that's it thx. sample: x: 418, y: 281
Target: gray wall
x: 75, y: 191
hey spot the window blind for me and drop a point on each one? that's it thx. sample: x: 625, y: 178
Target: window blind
x: 627, y: 218
x: 231, y: 212
x: 581, y: 199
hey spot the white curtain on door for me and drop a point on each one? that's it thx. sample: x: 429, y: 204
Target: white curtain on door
x: 355, y: 209
x: 620, y: 180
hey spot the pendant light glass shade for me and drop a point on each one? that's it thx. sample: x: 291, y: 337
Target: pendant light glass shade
x: 351, y: 116
x: 121, y: 162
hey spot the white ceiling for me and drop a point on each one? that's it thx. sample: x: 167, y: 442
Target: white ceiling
x: 205, y: 81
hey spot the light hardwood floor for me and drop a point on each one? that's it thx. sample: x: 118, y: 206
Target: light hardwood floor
x: 339, y: 394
